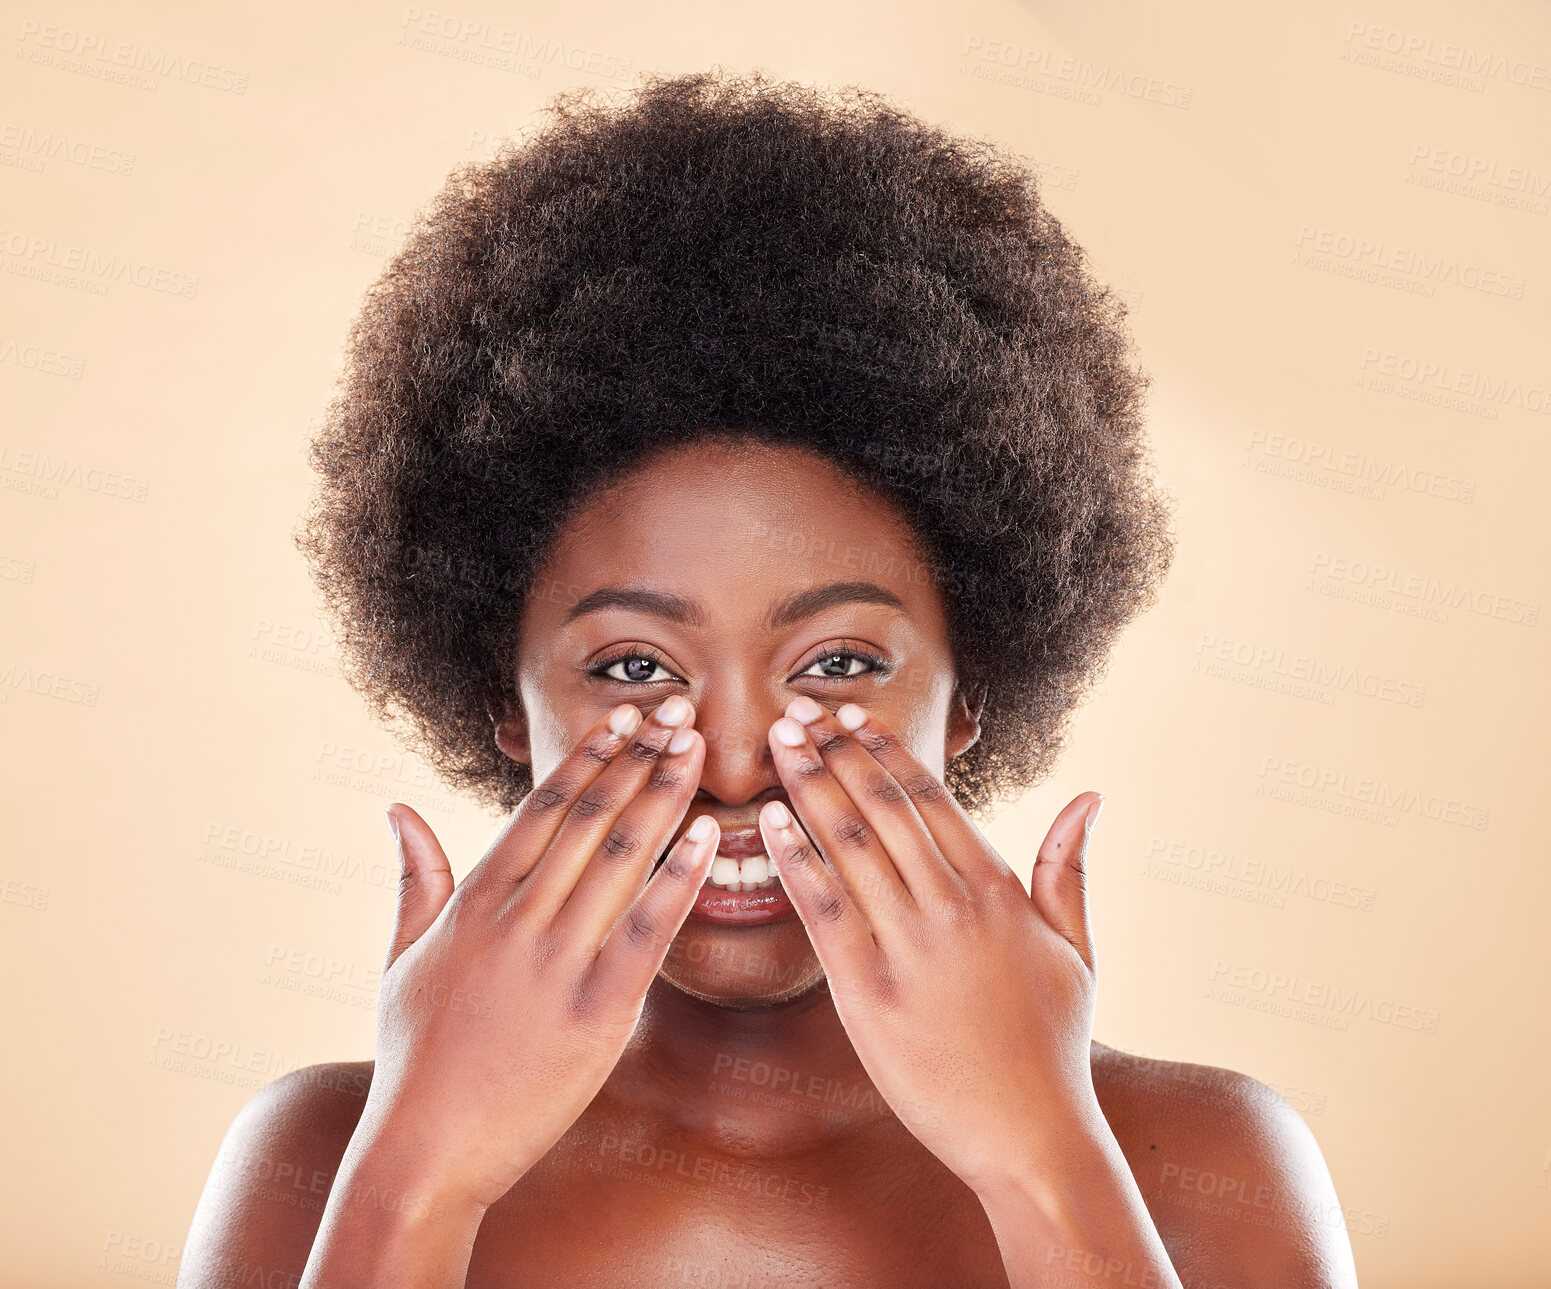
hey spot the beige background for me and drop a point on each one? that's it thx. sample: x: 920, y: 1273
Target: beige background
x: 1331, y: 221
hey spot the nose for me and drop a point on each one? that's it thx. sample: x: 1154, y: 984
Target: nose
x: 735, y: 722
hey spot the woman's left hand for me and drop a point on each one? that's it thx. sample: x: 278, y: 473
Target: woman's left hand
x: 969, y: 1002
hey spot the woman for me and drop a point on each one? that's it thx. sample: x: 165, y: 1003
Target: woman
x: 740, y: 486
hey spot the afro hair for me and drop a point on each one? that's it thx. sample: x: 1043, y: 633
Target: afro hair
x: 717, y: 251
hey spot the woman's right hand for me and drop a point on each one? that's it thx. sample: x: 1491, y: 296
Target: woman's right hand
x: 506, y: 1003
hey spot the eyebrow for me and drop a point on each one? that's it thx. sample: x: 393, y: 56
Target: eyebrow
x: 805, y: 604
x: 675, y: 608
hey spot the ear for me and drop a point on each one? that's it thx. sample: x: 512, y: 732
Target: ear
x: 511, y: 729
x: 964, y: 719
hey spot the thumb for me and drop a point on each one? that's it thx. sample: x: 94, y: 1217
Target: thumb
x: 425, y: 881
x: 1059, y: 885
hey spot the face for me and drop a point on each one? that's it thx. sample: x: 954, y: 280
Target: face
x: 729, y: 538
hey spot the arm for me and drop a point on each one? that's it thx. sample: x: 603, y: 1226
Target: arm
x: 971, y: 1000
x: 504, y: 1005
x: 390, y: 1221
x: 966, y: 997
x: 1067, y: 1211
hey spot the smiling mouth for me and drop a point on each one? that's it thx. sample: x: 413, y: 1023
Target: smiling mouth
x: 741, y: 863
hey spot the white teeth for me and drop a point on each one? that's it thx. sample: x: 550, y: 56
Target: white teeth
x: 745, y: 875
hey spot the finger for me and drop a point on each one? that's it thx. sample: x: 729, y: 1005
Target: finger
x: 620, y: 867
x: 1059, y: 884
x: 632, y: 955
x: 593, y: 822
x: 884, y: 804
x: 839, y: 829
x: 845, y: 945
x: 531, y: 828
x: 425, y: 879
x: 958, y: 840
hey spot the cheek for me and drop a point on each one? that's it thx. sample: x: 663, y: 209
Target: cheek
x: 922, y: 724
x: 553, y: 729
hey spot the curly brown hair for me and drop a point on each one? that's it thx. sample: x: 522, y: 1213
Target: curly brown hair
x: 719, y: 252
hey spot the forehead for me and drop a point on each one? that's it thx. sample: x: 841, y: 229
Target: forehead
x: 736, y: 526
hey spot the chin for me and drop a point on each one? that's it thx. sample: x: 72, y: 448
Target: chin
x: 743, y: 967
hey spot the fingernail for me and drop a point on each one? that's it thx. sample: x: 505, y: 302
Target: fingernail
x: 623, y: 720
x: 789, y: 732
x: 675, y: 711
x: 777, y: 815
x: 701, y: 829
x: 804, y: 709
x: 681, y: 741
x: 393, y: 823
x: 1093, y: 817
x: 851, y: 716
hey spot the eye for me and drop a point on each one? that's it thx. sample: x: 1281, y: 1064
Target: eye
x: 637, y: 666
x: 839, y: 663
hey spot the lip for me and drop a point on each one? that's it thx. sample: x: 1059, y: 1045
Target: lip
x: 721, y: 907
x: 742, y: 908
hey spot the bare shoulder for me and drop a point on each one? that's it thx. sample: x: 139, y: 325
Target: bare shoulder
x: 1231, y: 1174
x: 264, y: 1199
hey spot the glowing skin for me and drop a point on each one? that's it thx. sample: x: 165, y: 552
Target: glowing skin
x: 734, y: 533
x: 632, y: 1096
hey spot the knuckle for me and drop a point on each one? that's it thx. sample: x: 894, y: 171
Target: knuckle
x: 828, y: 740
x: 797, y: 854
x: 853, y: 830
x: 884, y: 787
x: 639, y: 928
x: 578, y: 1002
x: 593, y: 802
x: 667, y: 777
x: 829, y: 908
x: 678, y: 869
x: 877, y: 741
x: 546, y: 797
x: 644, y: 752
x: 925, y: 788
x: 621, y: 843
x: 884, y: 986
x: 597, y: 751
x: 810, y: 767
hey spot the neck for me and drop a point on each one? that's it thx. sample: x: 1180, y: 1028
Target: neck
x: 786, y: 1071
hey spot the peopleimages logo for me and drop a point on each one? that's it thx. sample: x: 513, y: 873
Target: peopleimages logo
x: 46, y: 145
x: 1444, y: 376
x: 1369, y: 791
x: 1085, y: 79
x: 47, y: 259
x: 107, y: 59
x: 1290, y: 995
x: 1475, y: 66
x: 1423, y: 589
x: 1333, y: 250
